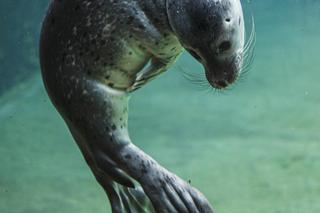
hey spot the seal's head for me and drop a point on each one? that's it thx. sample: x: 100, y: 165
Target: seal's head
x: 213, y: 32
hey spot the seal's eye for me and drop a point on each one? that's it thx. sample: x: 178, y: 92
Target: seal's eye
x: 224, y: 46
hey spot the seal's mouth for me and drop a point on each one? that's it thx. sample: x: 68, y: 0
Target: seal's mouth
x: 194, y: 54
x: 222, y: 75
x: 220, y: 84
x: 222, y: 70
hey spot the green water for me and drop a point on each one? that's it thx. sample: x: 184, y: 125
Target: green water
x: 253, y: 149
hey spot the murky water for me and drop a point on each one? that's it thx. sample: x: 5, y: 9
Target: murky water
x: 253, y: 149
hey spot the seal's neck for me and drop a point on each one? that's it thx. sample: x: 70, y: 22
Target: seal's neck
x: 156, y: 10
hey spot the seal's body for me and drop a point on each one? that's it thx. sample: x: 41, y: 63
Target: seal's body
x: 111, y: 40
x: 93, y: 53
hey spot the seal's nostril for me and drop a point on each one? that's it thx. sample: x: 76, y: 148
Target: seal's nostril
x: 224, y: 46
x: 228, y: 19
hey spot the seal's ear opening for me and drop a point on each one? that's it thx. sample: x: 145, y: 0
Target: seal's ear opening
x: 179, y: 18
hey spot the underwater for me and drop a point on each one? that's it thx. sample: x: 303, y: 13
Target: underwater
x: 253, y: 147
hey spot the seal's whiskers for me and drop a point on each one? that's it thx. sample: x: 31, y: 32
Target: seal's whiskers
x: 197, y: 79
x: 248, y: 52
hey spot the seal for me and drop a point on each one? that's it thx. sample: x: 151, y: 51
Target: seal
x: 94, y: 54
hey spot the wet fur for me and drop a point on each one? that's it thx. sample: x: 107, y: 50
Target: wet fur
x: 93, y: 54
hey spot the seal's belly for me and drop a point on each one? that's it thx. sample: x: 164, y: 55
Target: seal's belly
x: 122, y: 72
x: 130, y: 58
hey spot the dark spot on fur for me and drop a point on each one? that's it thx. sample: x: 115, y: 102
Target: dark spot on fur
x: 113, y: 127
x: 93, y: 41
x: 52, y: 21
x: 144, y: 169
x: 157, y: 20
x: 142, y: 27
x: 102, y: 42
x: 64, y: 56
x: 97, y: 58
x: 77, y: 7
x: 130, y: 20
x: 127, y: 156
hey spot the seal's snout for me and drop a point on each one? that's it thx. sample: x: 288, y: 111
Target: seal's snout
x: 221, y: 75
x: 222, y: 83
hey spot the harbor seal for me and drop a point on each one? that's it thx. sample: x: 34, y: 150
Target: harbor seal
x: 94, y: 54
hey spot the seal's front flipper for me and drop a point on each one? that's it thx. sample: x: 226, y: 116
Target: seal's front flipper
x: 156, y: 67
